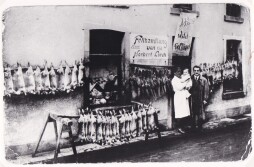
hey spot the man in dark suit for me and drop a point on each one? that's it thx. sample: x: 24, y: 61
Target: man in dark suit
x: 199, y: 93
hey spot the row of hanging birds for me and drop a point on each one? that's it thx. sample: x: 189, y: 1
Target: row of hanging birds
x: 46, y: 81
x: 109, y: 126
x: 221, y: 71
x: 149, y: 83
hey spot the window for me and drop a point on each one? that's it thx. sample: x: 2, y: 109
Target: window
x: 233, y: 13
x: 233, y: 10
x: 183, y: 6
x: 178, y: 8
x: 117, y: 6
x: 232, y: 74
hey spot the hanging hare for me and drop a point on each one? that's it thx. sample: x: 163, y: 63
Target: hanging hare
x: 99, y: 128
x: 88, y: 128
x: 81, y: 73
x: 116, y: 126
x: 133, y: 123
x: 92, y: 128
x: 144, y: 118
x: 61, y: 75
x: 127, y: 124
x: 81, y: 122
x: 30, y: 80
x: 122, y: 125
x: 74, y: 76
x: 139, y: 121
x: 8, y: 82
x: 67, y: 78
x: 53, y: 79
x: 19, y: 78
x: 107, y: 128
x: 111, y: 130
x: 38, y: 80
x: 45, y: 78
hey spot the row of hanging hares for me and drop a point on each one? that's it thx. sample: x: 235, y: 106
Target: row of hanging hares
x: 109, y: 128
x: 45, y: 81
x: 219, y: 71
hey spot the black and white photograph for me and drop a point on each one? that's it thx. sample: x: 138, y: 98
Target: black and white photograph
x: 116, y: 83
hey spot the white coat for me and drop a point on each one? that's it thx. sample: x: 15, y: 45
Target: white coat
x: 181, y: 103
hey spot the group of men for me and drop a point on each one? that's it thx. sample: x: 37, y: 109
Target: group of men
x: 190, y: 97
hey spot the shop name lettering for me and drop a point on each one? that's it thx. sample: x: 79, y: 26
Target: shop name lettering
x: 181, y: 46
x: 157, y: 54
x: 140, y: 39
x: 183, y: 35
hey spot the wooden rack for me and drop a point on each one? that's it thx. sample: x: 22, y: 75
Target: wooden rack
x: 64, y: 121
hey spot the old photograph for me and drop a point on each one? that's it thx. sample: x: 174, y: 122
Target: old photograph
x: 127, y: 83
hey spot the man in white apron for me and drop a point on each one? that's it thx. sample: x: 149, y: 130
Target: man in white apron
x: 181, y: 102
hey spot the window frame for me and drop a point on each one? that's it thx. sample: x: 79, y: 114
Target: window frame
x: 235, y: 94
x: 233, y: 19
x: 177, y: 11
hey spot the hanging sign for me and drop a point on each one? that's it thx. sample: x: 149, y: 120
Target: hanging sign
x: 183, y: 37
x: 148, y: 49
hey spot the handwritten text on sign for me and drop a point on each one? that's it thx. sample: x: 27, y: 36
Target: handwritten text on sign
x: 148, y: 47
x: 183, y: 37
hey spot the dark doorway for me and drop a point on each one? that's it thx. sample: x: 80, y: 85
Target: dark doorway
x: 183, y: 61
x: 105, y: 41
x: 105, y: 67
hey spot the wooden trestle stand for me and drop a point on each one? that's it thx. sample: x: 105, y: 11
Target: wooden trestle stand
x: 64, y: 122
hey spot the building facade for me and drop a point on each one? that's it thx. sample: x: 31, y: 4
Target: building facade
x: 102, y: 37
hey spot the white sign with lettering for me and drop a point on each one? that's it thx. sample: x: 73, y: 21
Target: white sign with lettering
x: 183, y: 37
x: 148, y: 49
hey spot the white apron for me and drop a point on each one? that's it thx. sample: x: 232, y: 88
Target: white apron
x: 181, y: 103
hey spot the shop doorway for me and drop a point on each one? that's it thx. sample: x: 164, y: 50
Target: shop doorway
x: 105, y: 67
x: 182, y: 61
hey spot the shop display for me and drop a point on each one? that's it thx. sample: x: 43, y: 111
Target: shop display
x: 221, y: 72
x: 103, y: 90
x: 212, y: 72
x: 149, y: 82
x: 228, y: 70
x: 106, y: 126
x: 26, y: 80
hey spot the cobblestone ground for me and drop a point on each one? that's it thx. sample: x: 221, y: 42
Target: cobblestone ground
x: 227, y: 144
x: 224, y: 145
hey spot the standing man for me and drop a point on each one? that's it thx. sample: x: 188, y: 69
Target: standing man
x: 199, y: 92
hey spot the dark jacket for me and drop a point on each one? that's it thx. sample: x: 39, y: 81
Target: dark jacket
x: 199, y: 92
